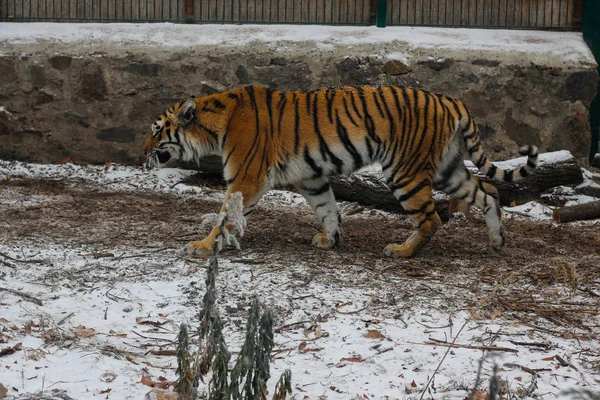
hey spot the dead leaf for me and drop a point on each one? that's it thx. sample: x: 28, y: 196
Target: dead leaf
x: 160, y: 394
x: 164, y: 352
x: 518, y: 378
x: 146, y: 380
x: 82, y: 331
x: 121, y: 335
x: 108, y: 377
x: 302, y: 345
x: 151, y: 321
x: 65, y: 160
x: 3, y: 391
x: 10, y: 350
x: 513, y: 203
x: 352, y: 359
x: 374, y: 334
x: 413, y: 383
x: 105, y: 391
x: 548, y: 358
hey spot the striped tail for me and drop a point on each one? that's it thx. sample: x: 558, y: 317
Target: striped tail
x: 473, y: 142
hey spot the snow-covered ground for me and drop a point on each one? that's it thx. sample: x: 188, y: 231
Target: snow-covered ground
x: 98, y: 320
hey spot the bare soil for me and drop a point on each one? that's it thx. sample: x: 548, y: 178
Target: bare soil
x: 537, y: 254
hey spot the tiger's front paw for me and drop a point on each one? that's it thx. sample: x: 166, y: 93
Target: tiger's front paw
x: 323, y: 241
x: 199, y: 248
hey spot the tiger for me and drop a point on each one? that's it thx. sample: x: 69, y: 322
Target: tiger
x: 267, y: 137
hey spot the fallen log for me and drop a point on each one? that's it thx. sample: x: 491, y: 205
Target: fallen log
x: 368, y: 187
x: 579, y: 212
x: 555, y: 168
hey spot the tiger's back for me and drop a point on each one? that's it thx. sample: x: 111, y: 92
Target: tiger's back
x: 268, y: 137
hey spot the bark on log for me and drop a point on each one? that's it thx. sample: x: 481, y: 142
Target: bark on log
x: 577, y: 213
x: 369, y: 188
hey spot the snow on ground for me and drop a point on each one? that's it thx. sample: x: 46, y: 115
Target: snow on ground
x: 568, y: 47
x: 105, y: 316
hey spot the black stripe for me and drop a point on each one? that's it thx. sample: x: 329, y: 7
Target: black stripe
x: 369, y: 148
x: 343, y: 135
x: 228, y: 155
x: 353, y: 101
x: 413, y: 191
x: 307, y: 94
x: 481, y: 162
x: 348, y: 112
x: 523, y: 172
x: 281, y: 105
x: 321, y: 205
x: 474, y: 197
x: 475, y: 147
x: 312, y: 164
x: 326, y: 152
x: 330, y: 103
x: 296, y: 125
x: 218, y: 104
x: 378, y: 105
x: 447, y: 172
x: 531, y: 164
x: 508, y: 176
x: 421, y: 209
x: 269, y: 100
x: 317, y: 191
x: 392, y: 137
x: 492, y: 172
x: 419, y: 133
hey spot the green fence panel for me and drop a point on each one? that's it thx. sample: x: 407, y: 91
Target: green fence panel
x: 591, y: 35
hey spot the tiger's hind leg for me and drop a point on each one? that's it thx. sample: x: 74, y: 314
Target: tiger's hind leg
x: 415, y: 197
x: 464, y: 187
x: 320, y: 197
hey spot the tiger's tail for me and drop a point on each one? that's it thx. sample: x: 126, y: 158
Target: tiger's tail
x: 473, y: 143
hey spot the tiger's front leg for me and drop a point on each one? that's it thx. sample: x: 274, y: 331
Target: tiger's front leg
x: 320, y: 197
x: 251, y: 195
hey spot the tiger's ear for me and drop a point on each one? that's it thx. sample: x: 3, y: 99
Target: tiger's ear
x: 187, y: 111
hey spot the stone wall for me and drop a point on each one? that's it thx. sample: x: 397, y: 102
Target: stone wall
x: 70, y: 102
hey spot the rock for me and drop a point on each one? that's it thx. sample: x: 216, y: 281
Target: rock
x: 60, y: 63
x: 207, y: 89
x: 242, y: 74
x: 295, y: 76
x: 144, y: 69
x: 188, y: 69
x: 570, y: 133
x: 8, y: 74
x: 437, y: 64
x: 92, y: 86
x: 348, y: 64
x: 5, y: 123
x: 485, y: 63
x: 519, y: 131
x: 37, y: 76
x: 486, y: 131
x: 75, y: 118
x: 395, y: 67
x: 279, y: 61
x: 580, y: 85
x: 120, y: 134
x: 365, y: 76
x: 40, y: 97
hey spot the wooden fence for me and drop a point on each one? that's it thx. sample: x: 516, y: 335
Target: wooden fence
x: 531, y: 14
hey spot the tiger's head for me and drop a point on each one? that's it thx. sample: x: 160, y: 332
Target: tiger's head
x: 188, y: 131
